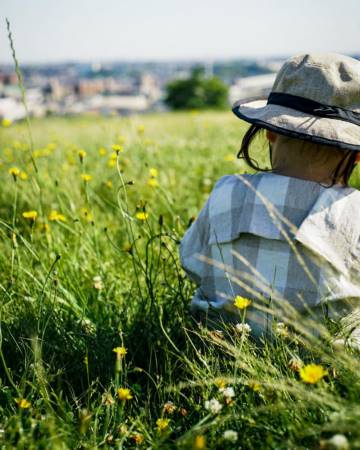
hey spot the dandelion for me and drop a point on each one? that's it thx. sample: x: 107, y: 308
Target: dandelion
x: 162, y: 424
x: 199, y: 442
x: 86, y: 177
x: 98, y: 284
x: 102, y: 151
x: 6, y: 123
x: 30, y: 215
x: 230, y: 435
x: 55, y: 216
x: 82, y: 154
x: 254, y: 386
x: 86, y: 214
x: 15, y: 172
x: 23, y: 403
x: 124, y: 394
x: 141, y: 215
x: 243, y: 328
x: 153, y: 182
x: 120, y: 351
x: 117, y: 148
x: 121, y: 139
x: 141, y: 129
x: 241, y: 302
x: 169, y: 407
x: 220, y: 383
x: 138, y: 438
x: 23, y: 176
x: 312, y: 373
x: 213, y: 405
x: 153, y: 172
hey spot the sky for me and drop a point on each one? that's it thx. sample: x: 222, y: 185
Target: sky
x: 106, y: 30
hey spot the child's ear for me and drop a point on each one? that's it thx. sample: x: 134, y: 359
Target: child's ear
x: 271, y: 137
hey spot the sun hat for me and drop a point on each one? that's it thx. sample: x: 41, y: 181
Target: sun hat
x: 315, y: 97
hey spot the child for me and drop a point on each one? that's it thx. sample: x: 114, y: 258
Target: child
x: 288, y: 236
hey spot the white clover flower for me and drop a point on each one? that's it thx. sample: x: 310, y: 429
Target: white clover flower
x: 281, y: 329
x: 98, y: 284
x: 213, y: 405
x: 337, y: 442
x: 230, y: 435
x: 243, y: 328
x: 228, y: 392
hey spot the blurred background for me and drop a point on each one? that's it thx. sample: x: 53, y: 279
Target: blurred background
x: 120, y: 58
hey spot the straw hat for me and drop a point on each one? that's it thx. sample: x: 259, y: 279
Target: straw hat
x: 315, y: 97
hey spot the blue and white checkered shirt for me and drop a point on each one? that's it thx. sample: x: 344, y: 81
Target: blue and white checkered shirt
x: 274, y: 236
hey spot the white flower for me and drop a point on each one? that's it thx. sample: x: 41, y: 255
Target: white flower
x: 281, y: 329
x: 213, y: 405
x: 243, y: 328
x: 98, y: 284
x: 230, y: 435
x: 228, y: 392
x: 337, y: 442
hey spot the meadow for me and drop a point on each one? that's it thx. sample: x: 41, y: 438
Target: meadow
x: 97, y: 348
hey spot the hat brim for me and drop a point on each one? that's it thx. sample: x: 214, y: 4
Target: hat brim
x: 297, y: 124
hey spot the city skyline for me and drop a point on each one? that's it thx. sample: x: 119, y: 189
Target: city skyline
x: 49, y: 32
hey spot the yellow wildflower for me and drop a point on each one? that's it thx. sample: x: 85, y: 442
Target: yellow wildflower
x: 113, y: 156
x: 102, y: 151
x: 153, y: 172
x: 138, y: 438
x: 82, y: 154
x: 86, y: 177
x: 31, y: 215
x: 6, y: 123
x: 229, y: 157
x: 241, y: 302
x: 153, y: 182
x: 124, y: 394
x: 15, y: 172
x: 141, y: 215
x: 199, y: 442
x: 23, y: 176
x: 312, y: 373
x: 121, y: 139
x: 111, y: 162
x: 120, y: 351
x: 109, y: 184
x: 220, y: 383
x: 254, y: 386
x: 117, y: 148
x: 162, y: 424
x: 86, y: 214
x: 55, y: 216
x: 140, y: 129
x: 23, y: 403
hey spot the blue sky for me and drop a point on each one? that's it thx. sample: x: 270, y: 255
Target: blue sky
x: 100, y: 30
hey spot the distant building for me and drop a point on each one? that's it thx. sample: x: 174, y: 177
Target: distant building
x: 256, y: 86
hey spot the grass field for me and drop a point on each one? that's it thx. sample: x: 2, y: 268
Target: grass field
x: 97, y: 347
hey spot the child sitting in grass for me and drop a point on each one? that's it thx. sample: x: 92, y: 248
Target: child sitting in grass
x: 286, y: 238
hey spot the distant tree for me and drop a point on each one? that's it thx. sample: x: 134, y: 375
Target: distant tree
x: 197, y: 92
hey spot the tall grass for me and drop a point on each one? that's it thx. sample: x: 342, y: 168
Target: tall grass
x: 101, y: 276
